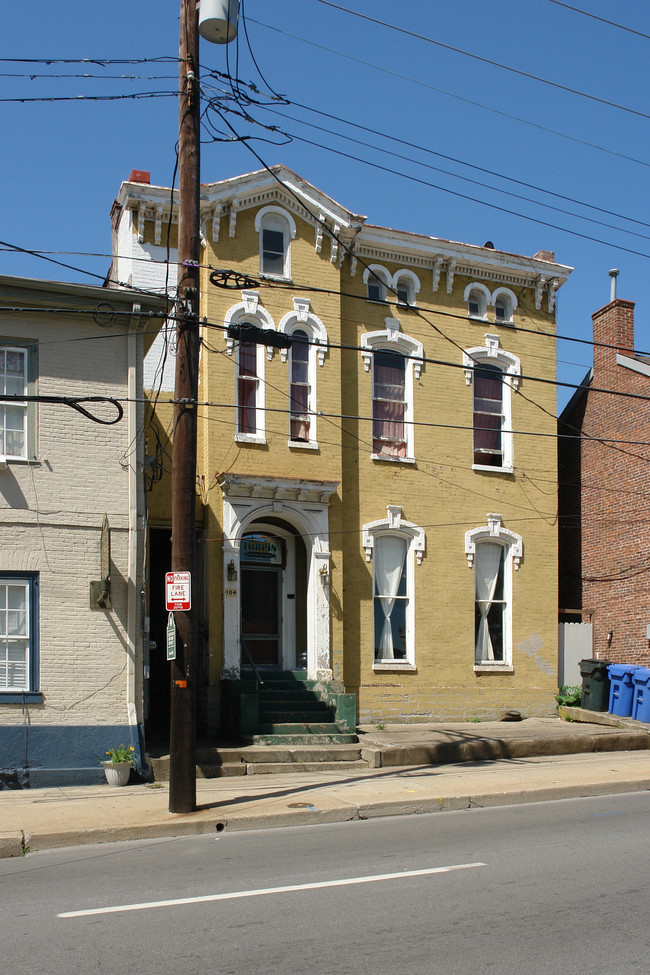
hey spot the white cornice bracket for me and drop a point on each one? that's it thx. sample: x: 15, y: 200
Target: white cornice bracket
x: 539, y: 288
x: 232, y: 226
x: 216, y: 221
x: 451, y: 270
x: 319, y: 232
x: 158, y: 225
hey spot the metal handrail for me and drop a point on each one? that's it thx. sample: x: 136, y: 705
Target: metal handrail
x: 259, y: 680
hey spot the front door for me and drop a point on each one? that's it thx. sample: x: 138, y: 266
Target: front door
x: 261, y: 595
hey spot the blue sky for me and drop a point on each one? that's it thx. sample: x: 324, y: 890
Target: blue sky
x: 63, y: 161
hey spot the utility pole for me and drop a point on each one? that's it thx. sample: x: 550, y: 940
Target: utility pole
x: 184, y: 670
x: 218, y: 24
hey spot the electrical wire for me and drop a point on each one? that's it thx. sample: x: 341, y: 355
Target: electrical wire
x: 443, y: 91
x: 603, y: 20
x: 489, y: 61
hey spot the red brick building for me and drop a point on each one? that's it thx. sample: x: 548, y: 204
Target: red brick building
x: 604, y: 493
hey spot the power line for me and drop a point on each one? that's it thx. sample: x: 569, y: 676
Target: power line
x: 603, y: 20
x: 483, y: 60
x: 474, y: 182
x: 450, y: 94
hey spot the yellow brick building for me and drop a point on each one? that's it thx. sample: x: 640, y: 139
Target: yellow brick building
x: 377, y: 503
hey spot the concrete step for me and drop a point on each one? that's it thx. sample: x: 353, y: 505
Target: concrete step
x: 325, y: 727
x: 256, y: 759
x: 277, y: 768
x: 284, y: 716
x: 296, y: 738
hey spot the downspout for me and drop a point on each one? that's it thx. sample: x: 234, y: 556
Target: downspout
x: 134, y: 464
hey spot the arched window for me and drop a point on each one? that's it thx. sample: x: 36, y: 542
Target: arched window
x: 406, y: 285
x: 247, y: 389
x: 376, y: 278
x: 300, y: 393
x: 505, y: 302
x: 277, y: 229
x: 488, y: 416
x: 494, y: 373
x: 249, y: 368
x: 493, y: 551
x: 388, y: 404
x: 393, y: 544
x: 306, y: 357
x: 394, y: 359
x: 477, y: 297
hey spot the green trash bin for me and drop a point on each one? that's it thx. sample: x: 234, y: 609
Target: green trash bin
x: 595, y: 684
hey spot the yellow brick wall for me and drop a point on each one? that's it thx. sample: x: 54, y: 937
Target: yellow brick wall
x: 439, y: 492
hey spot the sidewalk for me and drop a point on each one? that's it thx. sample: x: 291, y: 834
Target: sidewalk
x: 528, y: 761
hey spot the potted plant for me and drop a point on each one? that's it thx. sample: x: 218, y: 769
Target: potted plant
x: 118, y: 766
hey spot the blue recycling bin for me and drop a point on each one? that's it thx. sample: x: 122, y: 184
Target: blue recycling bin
x: 641, y: 706
x: 621, y: 689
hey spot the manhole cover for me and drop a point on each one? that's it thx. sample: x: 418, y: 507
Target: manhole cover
x: 300, y: 805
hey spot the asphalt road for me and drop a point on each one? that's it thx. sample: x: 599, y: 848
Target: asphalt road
x: 543, y: 888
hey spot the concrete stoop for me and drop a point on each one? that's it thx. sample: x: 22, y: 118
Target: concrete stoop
x: 212, y: 763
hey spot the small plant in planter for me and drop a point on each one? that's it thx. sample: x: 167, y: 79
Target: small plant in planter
x: 118, y: 766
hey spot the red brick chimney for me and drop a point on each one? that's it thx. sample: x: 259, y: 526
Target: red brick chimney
x: 613, y: 326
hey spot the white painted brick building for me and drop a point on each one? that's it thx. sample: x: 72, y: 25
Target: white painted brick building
x: 70, y: 673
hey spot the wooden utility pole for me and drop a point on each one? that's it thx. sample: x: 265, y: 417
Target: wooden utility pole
x: 184, y: 670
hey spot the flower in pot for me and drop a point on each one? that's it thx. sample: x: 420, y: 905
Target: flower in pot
x: 118, y: 766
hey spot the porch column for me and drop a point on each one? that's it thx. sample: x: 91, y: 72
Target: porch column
x: 323, y: 664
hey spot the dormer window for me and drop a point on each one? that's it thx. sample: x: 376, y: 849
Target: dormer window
x: 376, y: 279
x: 276, y: 229
x: 376, y: 289
x: 504, y: 304
x: 273, y: 251
x: 477, y: 297
x: 406, y: 285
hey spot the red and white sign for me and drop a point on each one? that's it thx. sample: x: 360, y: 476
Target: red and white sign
x: 178, y: 588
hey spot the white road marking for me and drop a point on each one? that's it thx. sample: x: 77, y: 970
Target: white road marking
x: 234, y: 895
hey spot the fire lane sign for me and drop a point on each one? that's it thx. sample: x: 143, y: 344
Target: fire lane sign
x: 178, y: 589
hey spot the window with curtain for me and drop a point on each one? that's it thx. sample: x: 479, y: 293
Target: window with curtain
x: 300, y: 392
x: 488, y: 416
x: 490, y: 603
x: 390, y: 597
x: 389, y: 405
x: 13, y: 381
x: 247, y: 382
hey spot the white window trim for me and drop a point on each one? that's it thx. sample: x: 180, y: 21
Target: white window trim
x: 250, y: 310
x: 27, y: 456
x: 510, y: 302
x: 391, y: 339
x: 413, y: 286
x: 513, y: 545
x: 484, y: 299
x: 267, y: 215
x: 303, y: 318
x: 382, y: 275
x: 416, y: 541
x: 488, y: 299
x: 492, y: 354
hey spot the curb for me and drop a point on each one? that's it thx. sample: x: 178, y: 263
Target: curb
x: 14, y: 844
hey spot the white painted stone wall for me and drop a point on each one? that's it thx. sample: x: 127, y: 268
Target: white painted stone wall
x: 144, y: 266
x: 51, y: 513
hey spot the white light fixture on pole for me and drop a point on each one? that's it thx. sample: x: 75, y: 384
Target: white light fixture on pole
x: 218, y: 20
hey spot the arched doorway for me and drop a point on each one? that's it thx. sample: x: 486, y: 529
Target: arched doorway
x: 273, y: 602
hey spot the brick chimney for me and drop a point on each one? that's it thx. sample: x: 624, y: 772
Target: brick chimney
x: 613, y: 325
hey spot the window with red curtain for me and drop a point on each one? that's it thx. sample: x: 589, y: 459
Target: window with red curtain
x: 247, y: 388
x: 388, y: 405
x: 488, y: 416
x: 300, y: 388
